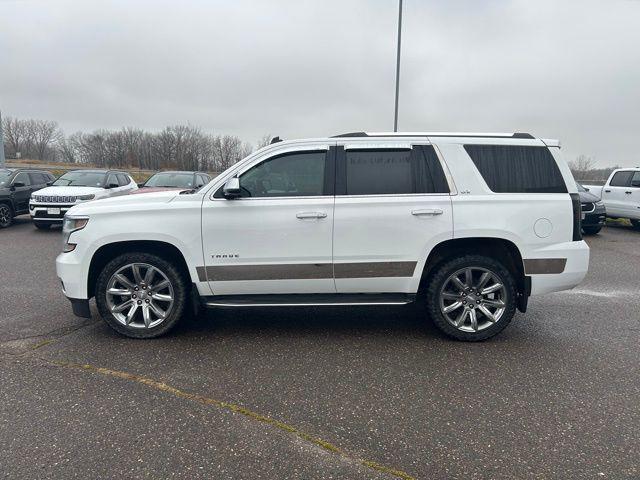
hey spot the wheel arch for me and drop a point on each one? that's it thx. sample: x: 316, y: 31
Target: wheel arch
x: 500, y: 249
x: 109, y: 251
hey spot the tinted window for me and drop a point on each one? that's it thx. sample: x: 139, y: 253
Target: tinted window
x: 22, y: 177
x: 635, y: 180
x: 379, y: 172
x: 112, y: 179
x: 202, y: 180
x: 621, y: 179
x: 38, y: 178
x: 288, y: 175
x: 81, y: 179
x: 517, y: 169
x: 123, y: 179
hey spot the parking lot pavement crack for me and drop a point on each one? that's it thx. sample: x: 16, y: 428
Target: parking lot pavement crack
x: 23, y: 345
x: 238, y: 409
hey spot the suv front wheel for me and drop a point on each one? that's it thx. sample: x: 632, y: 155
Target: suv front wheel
x: 6, y: 215
x: 471, y: 298
x: 141, y: 295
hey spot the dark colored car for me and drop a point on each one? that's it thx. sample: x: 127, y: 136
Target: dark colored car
x: 594, y: 213
x: 173, y: 181
x: 16, y: 187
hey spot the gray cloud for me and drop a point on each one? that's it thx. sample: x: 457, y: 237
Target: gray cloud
x: 567, y: 70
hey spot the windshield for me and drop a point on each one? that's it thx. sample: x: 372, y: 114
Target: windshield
x: 81, y: 179
x: 176, y: 180
x: 4, y: 177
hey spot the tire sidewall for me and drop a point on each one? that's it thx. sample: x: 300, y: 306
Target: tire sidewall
x: 174, y: 275
x: 440, y: 276
x: 10, y: 221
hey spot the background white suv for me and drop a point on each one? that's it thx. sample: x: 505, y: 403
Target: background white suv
x: 473, y: 224
x: 49, y: 205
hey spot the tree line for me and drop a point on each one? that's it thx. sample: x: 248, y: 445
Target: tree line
x: 180, y: 147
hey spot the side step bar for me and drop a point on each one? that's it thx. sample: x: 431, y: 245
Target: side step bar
x: 305, y: 300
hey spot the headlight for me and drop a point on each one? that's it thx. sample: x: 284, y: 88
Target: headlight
x: 86, y: 197
x: 70, y: 225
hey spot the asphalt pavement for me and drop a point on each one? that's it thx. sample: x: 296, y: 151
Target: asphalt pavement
x: 320, y: 393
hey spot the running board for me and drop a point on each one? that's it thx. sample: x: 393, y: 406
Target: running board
x: 306, y: 300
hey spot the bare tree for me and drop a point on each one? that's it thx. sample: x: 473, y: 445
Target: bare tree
x: 44, y: 135
x: 582, y: 164
x: 264, y: 141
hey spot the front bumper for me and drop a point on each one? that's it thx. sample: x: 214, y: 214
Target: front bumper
x: 48, y: 212
x: 597, y: 218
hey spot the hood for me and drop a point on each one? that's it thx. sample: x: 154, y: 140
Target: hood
x: 157, y: 189
x: 586, y: 197
x: 125, y: 202
x: 66, y: 190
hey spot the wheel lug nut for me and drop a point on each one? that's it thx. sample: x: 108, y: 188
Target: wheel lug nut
x: 134, y: 296
x: 139, y: 302
x: 147, y: 300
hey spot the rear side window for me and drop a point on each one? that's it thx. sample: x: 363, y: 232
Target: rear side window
x: 386, y: 171
x: 123, y: 179
x: 621, y: 179
x: 635, y: 180
x: 517, y: 168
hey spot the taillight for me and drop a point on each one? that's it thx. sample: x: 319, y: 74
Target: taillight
x: 577, y: 216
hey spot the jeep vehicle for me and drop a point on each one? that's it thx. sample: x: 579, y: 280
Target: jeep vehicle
x: 620, y: 194
x: 16, y: 187
x: 594, y: 213
x: 50, y: 204
x: 470, y: 225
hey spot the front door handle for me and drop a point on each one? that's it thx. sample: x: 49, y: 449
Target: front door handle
x: 628, y: 192
x: 427, y: 211
x: 608, y: 191
x: 303, y: 215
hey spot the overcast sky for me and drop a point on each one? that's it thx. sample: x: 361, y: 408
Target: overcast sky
x: 300, y: 68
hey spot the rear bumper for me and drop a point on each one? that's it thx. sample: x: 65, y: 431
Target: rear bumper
x: 575, y: 268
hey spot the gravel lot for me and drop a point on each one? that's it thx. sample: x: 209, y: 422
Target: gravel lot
x: 320, y: 393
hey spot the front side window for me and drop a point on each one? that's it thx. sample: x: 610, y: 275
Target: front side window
x: 81, y: 179
x: 517, y: 168
x: 22, y: 178
x: 635, y: 180
x: 38, y: 178
x: 621, y: 179
x: 386, y: 171
x: 299, y: 174
x: 123, y: 180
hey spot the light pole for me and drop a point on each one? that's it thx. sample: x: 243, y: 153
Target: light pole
x: 395, y: 117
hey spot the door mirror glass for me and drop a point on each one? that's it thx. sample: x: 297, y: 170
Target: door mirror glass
x: 19, y: 184
x: 232, y: 188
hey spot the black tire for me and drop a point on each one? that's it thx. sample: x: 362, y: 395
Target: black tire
x: 42, y: 226
x: 635, y: 224
x: 441, y: 275
x: 591, y: 230
x: 180, y: 292
x: 6, y: 215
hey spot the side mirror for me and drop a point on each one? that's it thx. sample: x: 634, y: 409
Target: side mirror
x: 18, y: 184
x: 586, y: 189
x: 232, y: 188
x: 140, y: 185
x: 112, y: 185
x: 49, y: 184
x: 635, y: 183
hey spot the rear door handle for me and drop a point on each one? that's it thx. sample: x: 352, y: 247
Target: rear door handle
x: 427, y: 212
x: 608, y: 191
x: 628, y: 192
x: 303, y: 215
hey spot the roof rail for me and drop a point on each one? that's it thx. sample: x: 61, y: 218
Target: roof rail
x: 435, y: 134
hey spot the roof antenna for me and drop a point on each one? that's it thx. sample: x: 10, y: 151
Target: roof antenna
x: 275, y: 140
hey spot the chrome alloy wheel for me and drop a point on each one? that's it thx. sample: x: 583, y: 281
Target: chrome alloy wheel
x: 140, y: 295
x: 473, y: 299
x: 5, y: 215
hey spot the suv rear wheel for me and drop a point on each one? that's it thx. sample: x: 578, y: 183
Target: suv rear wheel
x: 6, y: 215
x: 635, y: 224
x: 141, y: 295
x: 471, y: 298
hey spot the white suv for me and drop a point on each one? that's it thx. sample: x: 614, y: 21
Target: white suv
x: 473, y: 224
x: 49, y: 205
